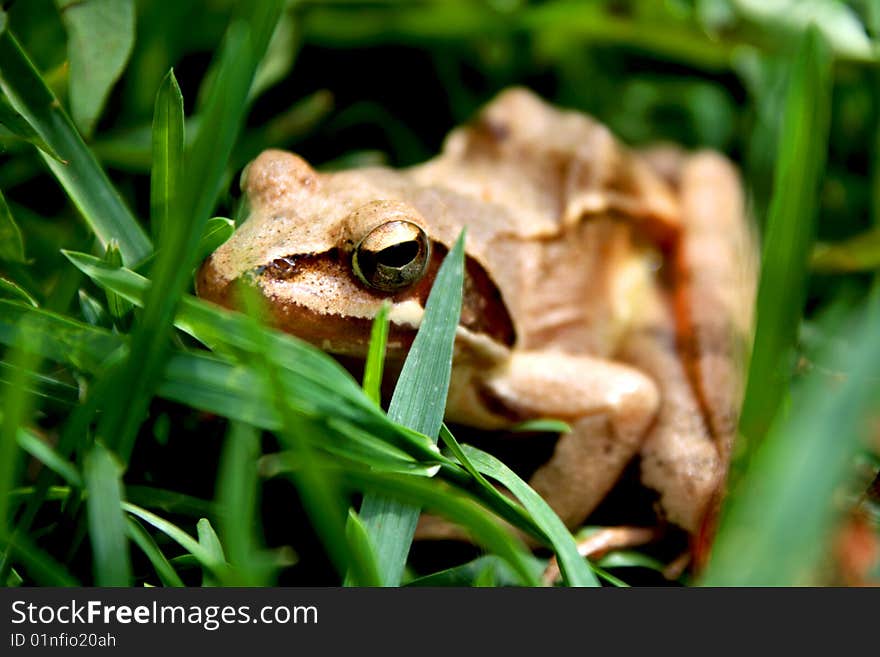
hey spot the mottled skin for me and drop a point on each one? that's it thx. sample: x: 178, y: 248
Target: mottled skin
x: 567, y: 312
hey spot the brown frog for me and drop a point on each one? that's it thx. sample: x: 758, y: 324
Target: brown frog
x: 605, y: 287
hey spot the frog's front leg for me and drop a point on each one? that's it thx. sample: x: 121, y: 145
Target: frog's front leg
x: 610, y: 407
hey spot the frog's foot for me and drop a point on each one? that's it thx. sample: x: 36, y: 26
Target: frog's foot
x: 603, y: 541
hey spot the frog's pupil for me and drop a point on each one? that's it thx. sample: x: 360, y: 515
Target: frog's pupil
x: 399, y: 254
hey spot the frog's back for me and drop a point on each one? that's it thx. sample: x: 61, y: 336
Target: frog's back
x: 555, y: 208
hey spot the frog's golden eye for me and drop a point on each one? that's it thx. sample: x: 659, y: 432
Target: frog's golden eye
x: 392, y: 256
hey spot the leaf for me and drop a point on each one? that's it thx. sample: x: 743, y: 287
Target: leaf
x: 168, y: 138
x: 100, y: 38
x: 78, y: 171
x: 788, y: 239
x: 107, y: 526
x: 419, y: 402
x: 11, y: 243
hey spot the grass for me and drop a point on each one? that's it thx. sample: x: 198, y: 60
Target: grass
x: 148, y: 437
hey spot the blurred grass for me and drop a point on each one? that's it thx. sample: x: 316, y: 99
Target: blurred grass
x: 208, y: 438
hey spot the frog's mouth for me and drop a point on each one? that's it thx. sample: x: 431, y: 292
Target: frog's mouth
x: 318, y: 298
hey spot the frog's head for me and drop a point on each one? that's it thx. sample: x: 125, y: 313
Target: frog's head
x: 327, y: 250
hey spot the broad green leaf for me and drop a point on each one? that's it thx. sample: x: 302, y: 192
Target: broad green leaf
x: 419, y: 402
x: 100, y: 37
x: 78, y: 171
x: 777, y: 526
x: 11, y: 243
x: 107, y: 526
x: 375, y: 362
x: 788, y: 238
x: 166, y: 176
x: 147, y: 545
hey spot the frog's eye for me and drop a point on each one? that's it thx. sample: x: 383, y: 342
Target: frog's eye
x: 392, y: 256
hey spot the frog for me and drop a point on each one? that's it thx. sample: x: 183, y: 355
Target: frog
x: 605, y: 286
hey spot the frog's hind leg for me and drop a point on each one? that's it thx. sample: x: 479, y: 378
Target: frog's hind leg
x: 711, y: 316
x: 608, y: 405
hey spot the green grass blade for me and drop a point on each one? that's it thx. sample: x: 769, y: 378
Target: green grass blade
x: 15, y: 411
x: 222, y: 118
x: 319, y: 491
x: 40, y: 566
x: 419, y: 402
x: 168, y: 138
x: 238, y: 501
x: 10, y: 290
x: 209, y: 540
x: 323, y: 383
x: 467, y: 573
x: 217, y: 231
x: 859, y: 253
x: 164, y: 570
x: 47, y: 455
x: 107, y: 526
x: 11, y: 243
x: 16, y: 123
x: 790, y: 231
x: 206, y: 558
x: 438, y: 497
x: 117, y: 305
x: 375, y: 362
x: 79, y: 172
x: 777, y: 526
x: 100, y: 38
x: 574, y: 568
x: 361, y: 550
